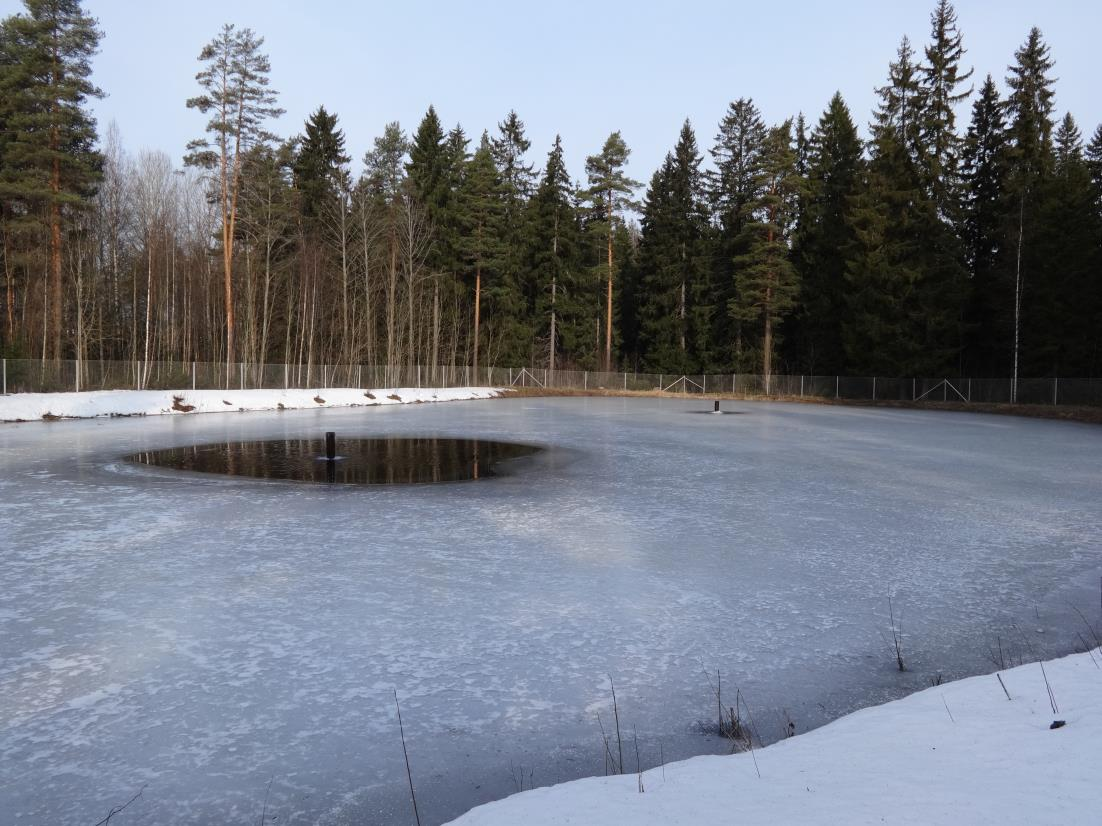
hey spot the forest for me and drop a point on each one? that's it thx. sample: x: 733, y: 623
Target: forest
x: 933, y: 247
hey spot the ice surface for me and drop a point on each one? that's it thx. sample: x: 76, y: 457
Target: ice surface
x: 203, y: 636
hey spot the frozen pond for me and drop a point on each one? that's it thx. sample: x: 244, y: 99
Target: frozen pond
x: 205, y: 637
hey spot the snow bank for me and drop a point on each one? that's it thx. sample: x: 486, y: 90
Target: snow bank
x: 31, y: 406
x: 957, y: 753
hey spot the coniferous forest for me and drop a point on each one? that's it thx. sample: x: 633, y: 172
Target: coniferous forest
x: 938, y: 246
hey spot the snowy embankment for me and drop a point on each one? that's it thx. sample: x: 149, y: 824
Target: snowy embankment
x: 31, y: 406
x: 957, y: 753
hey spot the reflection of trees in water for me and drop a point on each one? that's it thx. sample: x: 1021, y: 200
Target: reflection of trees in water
x: 390, y: 460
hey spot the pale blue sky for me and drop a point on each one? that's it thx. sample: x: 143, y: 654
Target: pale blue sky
x: 579, y: 68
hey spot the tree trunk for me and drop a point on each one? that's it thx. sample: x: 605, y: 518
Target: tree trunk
x: 608, y: 304
x: 477, y: 309
x: 435, y: 327
x: 55, y: 264
x: 9, y: 288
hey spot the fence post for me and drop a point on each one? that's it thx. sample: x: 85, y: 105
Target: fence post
x: 914, y: 389
x: 418, y: 376
x: 625, y: 382
x: 801, y: 386
x: 874, y: 388
x: 241, y: 371
x: 5, y: 377
x: 969, y: 391
x: 1055, y: 390
x: 837, y: 381
x: 510, y: 376
x: 704, y: 384
x: 585, y: 380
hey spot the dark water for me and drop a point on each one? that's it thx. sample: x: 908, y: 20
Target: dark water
x: 379, y: 461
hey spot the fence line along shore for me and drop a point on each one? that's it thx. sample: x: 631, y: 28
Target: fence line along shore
x: 50, y: 376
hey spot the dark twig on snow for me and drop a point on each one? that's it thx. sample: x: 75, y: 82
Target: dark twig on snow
x: 1048, y: 685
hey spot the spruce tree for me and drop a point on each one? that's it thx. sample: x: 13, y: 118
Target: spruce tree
x: 932, y: 256
x: 674, y: 305
x: 824, y: 239
x: 735, y: 155
x: 941, y: 77
x: 516, y: 288
x: 883, y: 317
x: 984, y: 169
x: 50, y: 166
x: 553, y: 258
x: 610, y: 194
x: 480, y: 208
x: 1061, y: 334
x: 903, y: 102
x: 766, y: 282
x: 1094, y: 164
x: 1030, y: 108
x: 428, y: 166
x: 320, y: 167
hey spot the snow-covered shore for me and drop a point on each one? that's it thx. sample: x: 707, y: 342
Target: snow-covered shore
x: 956, y: 753
x: 32, y: 406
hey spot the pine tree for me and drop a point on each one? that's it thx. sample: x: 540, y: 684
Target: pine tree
x: 766, y: 282
x: 50, y: 167
x: 236, y: 95
x: 610, y: 194
x: 384, y: 171
x: 984, y: 168
x: 825, y: 238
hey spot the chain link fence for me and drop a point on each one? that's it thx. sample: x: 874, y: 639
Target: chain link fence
x: 34, y: 376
